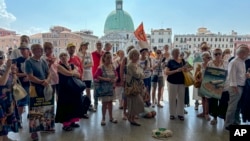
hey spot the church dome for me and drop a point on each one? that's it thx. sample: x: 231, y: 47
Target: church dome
x: 118, y: 20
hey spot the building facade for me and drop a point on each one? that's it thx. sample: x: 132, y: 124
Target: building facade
x: 5, y: 32
x: 60, y: 36
x: 191, y: 42
x: 161, y: 37
x: 9, y: 41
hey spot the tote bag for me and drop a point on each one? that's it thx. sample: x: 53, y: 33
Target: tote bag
x: 18, y: 91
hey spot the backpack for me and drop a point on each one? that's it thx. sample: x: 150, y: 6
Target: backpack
x: 85, y: 103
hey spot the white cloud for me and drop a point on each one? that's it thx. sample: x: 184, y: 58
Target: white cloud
x: 5, y: 17
x: 32, y: 30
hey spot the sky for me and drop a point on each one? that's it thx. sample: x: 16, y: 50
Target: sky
x: 183, y: 16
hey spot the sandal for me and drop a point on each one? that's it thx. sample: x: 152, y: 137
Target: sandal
x: 207, y: 117
x: 201, y: 115
x: 159, y: 105
x: 34, y: 136
x: 135, y: 124
x: 113, y: 120
x: 181, y: 118
x: 213, y: 122
x: 103, y: 123
x: 74, y: 125
x: 124, y: 118
x: 67, y: 128
x: 172, y: 117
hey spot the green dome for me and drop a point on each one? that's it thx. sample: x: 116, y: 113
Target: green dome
x: 118, y: 20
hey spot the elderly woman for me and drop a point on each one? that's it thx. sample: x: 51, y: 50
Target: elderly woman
x: 206, y: 58
x: 8, y: 108
x: 69, y: 107
x: 52, y: 63
x: 219, y: 107
x: 157, y: 77
x: 176, y: 87
x: 135, y: 101
x: 123, y: 72
x: 226, y: 55
x: 106, y: 73
x: 119, y: 89
x: 87, y: 63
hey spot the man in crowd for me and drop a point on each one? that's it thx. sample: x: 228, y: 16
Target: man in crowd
x: 237, y: 77
x: 73, y: 59
x: 107, y: 47
x: 24, y: 41
x: 96, y: 55
x: 25, y: 52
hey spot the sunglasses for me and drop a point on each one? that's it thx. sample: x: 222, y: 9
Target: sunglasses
x: 1, y: 57
x: 158, y: 52
x: 217, y: 54
x: 207, y: 58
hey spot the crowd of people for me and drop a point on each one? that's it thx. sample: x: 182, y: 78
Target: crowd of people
x: 122, y: 74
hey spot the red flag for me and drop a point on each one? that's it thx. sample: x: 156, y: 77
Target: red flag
x: 140, y: 33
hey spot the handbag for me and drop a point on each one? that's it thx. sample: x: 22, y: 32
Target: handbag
x: 18, y: 91
x: 76, y: 85
x: 48, y: 92
x: 32, y: 91
x: 188, y: 79
x: 104, y: 88
x: 135, y: 87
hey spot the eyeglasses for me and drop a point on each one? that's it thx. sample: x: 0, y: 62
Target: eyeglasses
x: 217, y: 54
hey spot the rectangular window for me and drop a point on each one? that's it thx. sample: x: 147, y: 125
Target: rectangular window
x: 169, y: 40
x: 211, y: 40
x: 215, y: 39
x: 152, y: 40
x: 198, y: 39
x: 176, y: 39
x: 195, y: 39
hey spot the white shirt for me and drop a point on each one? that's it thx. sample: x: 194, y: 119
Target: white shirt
x: 87, y: 73
x: 147, y: 71
x: 237, y: 72
x: 158, y: 70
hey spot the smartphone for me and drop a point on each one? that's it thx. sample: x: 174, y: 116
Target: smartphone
x: 13, y: 61
x: 163, y: 60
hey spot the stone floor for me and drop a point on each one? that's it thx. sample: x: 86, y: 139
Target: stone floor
x: 192, y: 129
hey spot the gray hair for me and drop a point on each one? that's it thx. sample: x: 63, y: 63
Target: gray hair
x: 205, y: 54
x: 174, y: 50
x: 242, y: 48
x: 132, y: 53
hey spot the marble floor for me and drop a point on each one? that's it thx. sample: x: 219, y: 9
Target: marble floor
x: 191, y: 129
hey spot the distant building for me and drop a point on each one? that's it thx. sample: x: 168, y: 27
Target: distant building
x: 242, y: 39
x: 119, y: 28
x: 9, y: 41
x: 60, y: 36
x: 161, y: 37
x: 5, y: 32
x: 192, y: 42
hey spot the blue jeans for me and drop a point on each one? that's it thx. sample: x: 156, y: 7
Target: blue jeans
x: 233, y: 110
x: 147, y: 83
